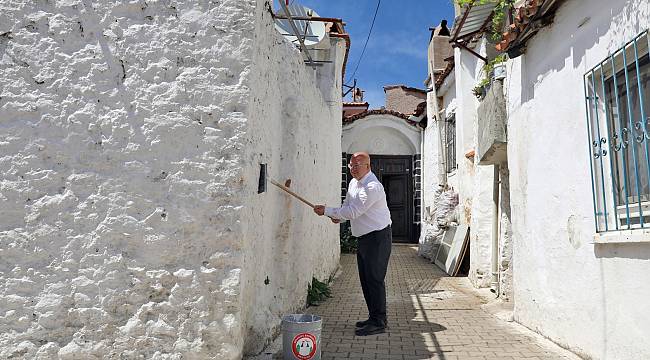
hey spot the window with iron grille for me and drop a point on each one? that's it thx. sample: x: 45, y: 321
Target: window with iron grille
x: 617, y: 95
x: 450, y: 143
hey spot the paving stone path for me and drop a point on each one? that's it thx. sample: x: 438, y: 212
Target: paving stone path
x: 431, y: 316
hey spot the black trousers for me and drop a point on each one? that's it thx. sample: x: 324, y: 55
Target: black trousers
x: 372, y: 259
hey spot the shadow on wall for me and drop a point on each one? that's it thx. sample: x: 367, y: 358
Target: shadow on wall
x: 627, y: 24
x: 639, y: 251
x: 573, y: 32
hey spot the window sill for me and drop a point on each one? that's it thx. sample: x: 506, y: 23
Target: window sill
x: 623, y: 236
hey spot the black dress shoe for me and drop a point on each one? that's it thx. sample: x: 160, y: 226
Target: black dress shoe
x: 370, y: 329
x: 363, y: 323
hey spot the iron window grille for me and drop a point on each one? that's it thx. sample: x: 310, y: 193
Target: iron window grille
x: 450, y: 143
x: 617, y: 93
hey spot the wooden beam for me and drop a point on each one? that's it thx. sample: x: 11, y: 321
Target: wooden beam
x: 471, y: 51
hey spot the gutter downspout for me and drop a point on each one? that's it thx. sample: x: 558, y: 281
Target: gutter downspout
x: 494, y: 285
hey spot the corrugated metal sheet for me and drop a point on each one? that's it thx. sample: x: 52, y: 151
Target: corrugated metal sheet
x: 472, y: 22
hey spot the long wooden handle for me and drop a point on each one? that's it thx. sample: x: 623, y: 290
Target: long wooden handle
x: 291, y: 193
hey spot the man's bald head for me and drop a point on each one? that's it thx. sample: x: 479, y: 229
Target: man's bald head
x: 359, y: 165
x: 361, y: 157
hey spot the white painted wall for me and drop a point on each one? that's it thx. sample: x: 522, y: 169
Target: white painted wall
x: 381, y: 134
x: 295, y: 127
x: 474, y: 182
x: 433, y: 158
x: 589, y: 298
x: 432, y: 168
x: 131, y: 137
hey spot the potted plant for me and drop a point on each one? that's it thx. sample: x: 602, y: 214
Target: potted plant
x: 498, y: 65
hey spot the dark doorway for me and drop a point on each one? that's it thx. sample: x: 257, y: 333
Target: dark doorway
x: 396, y: 174
x: 396, y: 187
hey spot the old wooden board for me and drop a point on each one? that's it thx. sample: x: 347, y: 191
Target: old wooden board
x: 449, y: 253
x: 461, y: 255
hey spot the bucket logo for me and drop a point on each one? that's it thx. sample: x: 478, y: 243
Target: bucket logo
x: 304, y: 346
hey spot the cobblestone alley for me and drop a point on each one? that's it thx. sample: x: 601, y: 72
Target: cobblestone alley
x: 431, y: 316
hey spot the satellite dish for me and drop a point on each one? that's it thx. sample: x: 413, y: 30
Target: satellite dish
x: 313, y: 32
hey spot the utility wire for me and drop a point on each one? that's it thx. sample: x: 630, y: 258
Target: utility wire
x: 364, y: 45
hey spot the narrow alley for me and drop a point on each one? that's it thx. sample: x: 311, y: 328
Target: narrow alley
x: 431, y: 316
x: 184, y: 179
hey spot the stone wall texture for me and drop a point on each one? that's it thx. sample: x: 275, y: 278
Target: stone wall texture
x: 132, y: 133
x: 295, y: 128
x: 403, y: 99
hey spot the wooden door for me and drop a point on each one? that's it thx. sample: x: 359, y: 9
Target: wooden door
x: 396, y: 188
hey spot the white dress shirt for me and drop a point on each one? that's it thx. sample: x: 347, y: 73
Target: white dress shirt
x: 365, y: 206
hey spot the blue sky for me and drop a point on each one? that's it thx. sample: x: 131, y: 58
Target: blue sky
x: 397, y: 49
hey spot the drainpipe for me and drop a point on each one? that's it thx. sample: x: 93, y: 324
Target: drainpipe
x: 495, y: 232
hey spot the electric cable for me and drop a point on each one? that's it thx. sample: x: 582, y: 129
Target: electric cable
x: 364, y: 45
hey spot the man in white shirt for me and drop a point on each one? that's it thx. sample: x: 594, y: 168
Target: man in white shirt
x: 366, y: 208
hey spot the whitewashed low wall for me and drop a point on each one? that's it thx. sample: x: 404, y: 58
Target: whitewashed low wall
x: 590, y: 298
x: 131, y: 139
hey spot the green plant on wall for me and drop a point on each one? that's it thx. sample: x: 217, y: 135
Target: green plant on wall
x: 499, y: 17
x: 479, y: 89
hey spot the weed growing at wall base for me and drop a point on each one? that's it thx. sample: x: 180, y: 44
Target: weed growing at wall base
x: 318, y: 291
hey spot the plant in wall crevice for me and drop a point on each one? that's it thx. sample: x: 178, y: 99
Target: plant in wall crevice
x: 481, y: 88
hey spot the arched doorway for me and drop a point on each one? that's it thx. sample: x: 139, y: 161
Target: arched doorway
x: 393, y: 143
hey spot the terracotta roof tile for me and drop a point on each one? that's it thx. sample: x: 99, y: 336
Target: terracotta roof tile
x: 353, y: 118
x: 525, y: 17
x: 440, y: 78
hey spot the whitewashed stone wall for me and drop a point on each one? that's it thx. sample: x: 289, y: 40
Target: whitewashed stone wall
x: 131, y: 136
x: 590, y: 298
x: 296, y: 129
